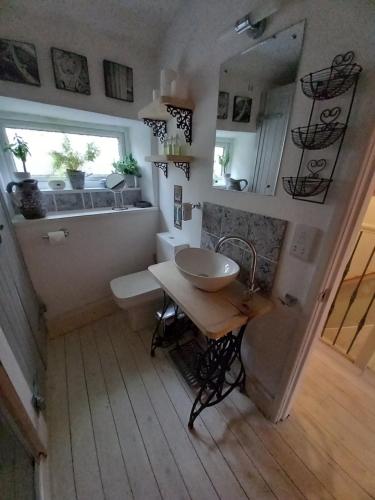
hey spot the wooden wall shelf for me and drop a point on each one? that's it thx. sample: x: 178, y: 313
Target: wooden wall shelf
x: 157, y: 110
x: 180, y: 161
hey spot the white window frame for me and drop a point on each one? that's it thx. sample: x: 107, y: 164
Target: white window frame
x: 63, y: 126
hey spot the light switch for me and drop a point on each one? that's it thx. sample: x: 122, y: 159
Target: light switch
x: 304, y: 241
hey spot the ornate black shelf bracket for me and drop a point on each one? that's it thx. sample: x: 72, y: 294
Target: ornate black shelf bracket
x: 163, y: 167
x: 184, y: 120
x: 159, y: 128
x: 185, y: 167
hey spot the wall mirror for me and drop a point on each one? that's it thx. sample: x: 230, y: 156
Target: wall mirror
x: 256, y: 92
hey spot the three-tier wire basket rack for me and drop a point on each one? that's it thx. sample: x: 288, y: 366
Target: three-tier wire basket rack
x: 314, y: 176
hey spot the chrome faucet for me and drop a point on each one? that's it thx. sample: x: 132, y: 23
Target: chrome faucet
x: 250, y: 245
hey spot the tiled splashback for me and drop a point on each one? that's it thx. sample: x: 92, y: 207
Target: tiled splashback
x: 60, y: 200
x: 266, y: 233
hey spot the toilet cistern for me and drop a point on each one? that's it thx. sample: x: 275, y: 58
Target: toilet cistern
x: 251, y: 282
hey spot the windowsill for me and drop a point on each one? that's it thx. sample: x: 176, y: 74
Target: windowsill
x: 85, y: 190
x: 74, y: 214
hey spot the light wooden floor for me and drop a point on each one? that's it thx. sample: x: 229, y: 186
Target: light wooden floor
x: 118, y: 430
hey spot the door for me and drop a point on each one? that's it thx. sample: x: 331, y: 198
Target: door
x: 271, y: 138
x: 17, y: 466
x: 19, y: 307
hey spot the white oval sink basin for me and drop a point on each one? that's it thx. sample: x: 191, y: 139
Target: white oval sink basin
x: 207, y: 270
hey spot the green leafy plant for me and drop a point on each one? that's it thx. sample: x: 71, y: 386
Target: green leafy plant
x: 69, y: 159
x: 20, y: 149
x: 127, y: 166
x: 224, y: 161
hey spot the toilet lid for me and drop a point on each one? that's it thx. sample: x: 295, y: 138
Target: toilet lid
x: 134, y: 285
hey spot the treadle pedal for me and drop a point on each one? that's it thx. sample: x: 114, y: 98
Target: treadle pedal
x: 186, y: 358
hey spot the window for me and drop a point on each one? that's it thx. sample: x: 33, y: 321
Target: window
x: 42, y: 139
x: 223, y: 146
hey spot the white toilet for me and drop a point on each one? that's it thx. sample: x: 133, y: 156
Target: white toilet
x: 139, y: 293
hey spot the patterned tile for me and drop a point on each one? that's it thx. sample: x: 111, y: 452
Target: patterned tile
x: 103, y: 199
x: 234, y: 222
x: 267, y: 234
x: 264, y: 272
x: 69, y: 201
x: 233, y: 252
x: 208, y: 240
x: 212, y: 217
x: 130, y: 197
x: 49, y: 201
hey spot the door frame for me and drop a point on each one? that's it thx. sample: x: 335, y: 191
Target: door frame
x: 363, y: 190
x: 16, y: 396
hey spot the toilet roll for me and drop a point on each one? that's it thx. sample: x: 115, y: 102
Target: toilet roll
x: 56, y: 238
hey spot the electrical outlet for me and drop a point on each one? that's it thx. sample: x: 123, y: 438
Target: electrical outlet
x: 303, y: 242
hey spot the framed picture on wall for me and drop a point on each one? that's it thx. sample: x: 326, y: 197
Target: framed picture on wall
x: 222, y: 106
x: 118, y: 81
x: 18, y: 62
x: 241, y: 109
x: 71, y: 71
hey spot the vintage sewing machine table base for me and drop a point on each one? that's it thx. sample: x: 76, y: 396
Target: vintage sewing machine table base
x: 215, y: 368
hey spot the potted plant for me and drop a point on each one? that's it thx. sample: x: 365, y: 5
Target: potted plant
x: 224, y: 161
x: 20, y: 149
x: 129, y: 168
x: 71, y: 161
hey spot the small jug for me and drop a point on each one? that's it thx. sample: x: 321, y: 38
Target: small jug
x: 28, y: 198
x: 235, y: 184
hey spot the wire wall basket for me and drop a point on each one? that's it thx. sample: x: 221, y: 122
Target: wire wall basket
x: 333, y: 81
x: 341, y: 77
x: 305, y: 187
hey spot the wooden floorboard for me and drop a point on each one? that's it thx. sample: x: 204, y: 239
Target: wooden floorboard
x: 118, y: 429
x: 111, y: 461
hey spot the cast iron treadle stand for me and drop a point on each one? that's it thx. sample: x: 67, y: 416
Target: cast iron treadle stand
x: 178, y: 325
x: 213, y: 368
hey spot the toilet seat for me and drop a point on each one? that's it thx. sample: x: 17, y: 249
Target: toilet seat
x: 135, y: 289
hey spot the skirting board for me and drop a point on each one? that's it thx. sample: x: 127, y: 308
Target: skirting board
x: 77, y: 318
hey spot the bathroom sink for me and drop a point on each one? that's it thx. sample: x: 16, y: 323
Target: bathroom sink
x: 205, y: 269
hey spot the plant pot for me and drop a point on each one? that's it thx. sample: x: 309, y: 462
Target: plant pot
x: 21, y: 176
x: 76, y: 178
x: 130, y: 180
x: 227, y: 180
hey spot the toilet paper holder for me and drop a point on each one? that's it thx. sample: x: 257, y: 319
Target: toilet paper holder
x: 66, y: 233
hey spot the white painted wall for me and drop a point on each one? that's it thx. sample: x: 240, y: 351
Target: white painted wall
x: 101, y: 247
x: 332, y: 27
x: 98, y: 249
x: 46, y: 28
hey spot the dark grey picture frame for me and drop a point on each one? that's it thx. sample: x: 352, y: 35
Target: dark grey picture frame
x: 71, y: 71
x: 19, y: 62
x: 222, y: 105
x: 118, y: 81
x: 242, y: 109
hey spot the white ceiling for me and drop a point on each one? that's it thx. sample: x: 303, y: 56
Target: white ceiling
x: 144, y: 20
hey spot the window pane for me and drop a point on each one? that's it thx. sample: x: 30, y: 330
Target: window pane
x: 42, y: 142
x: 219, y: 151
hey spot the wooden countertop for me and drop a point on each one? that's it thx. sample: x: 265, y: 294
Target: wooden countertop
x: 214, y: 313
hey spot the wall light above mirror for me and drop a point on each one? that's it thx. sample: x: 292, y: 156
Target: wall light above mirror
x: 256, y: 92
